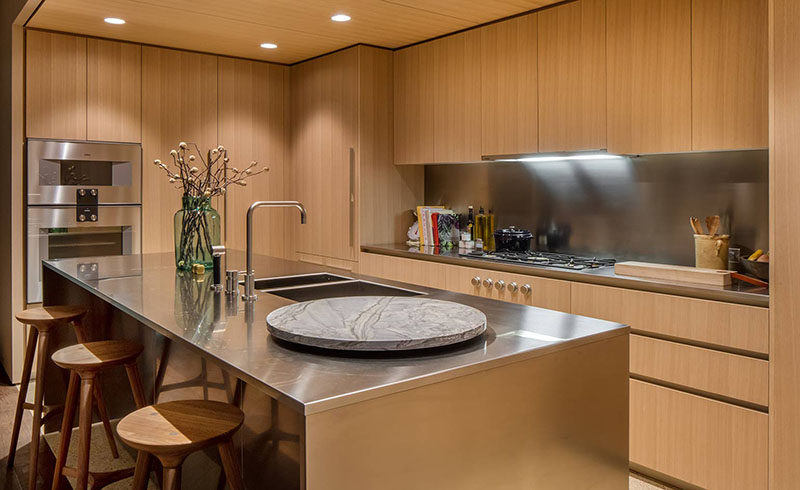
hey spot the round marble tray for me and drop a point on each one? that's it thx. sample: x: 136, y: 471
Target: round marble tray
x: 376, y: 323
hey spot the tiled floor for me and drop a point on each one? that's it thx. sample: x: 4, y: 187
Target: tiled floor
x: 16, y: 478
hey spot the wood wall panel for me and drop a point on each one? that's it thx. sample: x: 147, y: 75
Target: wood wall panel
x: 572, y: 76
x: 649, y: 76
x: 114, y: 91
x: 509, y: 120
x: 710, y: 322
x: 730, y: 375
x: 784, y: 397
x: 457, y: 97
x: 413, y: 104
x: 55, y: 86
x: 253, y: 108
x: 387, y: 193
x: 704, y: 442
x: 324, y: 95
x: 729, y: 74
x: 179, y: 90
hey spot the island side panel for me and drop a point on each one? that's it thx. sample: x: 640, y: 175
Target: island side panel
x: 556, y: 421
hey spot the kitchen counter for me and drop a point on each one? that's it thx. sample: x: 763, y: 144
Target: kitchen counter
x: 539, y: 386
x: 739, y: 293
x: 175, y: 305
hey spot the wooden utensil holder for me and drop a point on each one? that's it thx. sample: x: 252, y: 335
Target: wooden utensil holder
x: 711, y: 252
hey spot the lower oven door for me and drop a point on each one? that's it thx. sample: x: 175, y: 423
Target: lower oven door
x: 55, y: 233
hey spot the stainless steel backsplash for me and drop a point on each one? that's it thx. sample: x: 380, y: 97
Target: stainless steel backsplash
x: 628, y: 208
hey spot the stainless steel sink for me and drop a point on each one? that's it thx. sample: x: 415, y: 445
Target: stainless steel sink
x: 298, y: 280
x: 340, y: 290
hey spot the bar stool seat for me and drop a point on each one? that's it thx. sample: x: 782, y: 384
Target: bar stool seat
x: 171, y: 431
x: 43, y: 320
x: 85, y: 362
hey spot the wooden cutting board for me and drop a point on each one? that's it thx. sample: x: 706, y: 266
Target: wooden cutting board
x: 678, y: 273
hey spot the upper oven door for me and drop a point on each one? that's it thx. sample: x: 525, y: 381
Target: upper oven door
x: 58, y: 169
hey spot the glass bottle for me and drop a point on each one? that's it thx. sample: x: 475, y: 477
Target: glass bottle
x: 197, y: 229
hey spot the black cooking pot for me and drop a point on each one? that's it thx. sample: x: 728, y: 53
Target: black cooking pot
x: 512, y: 240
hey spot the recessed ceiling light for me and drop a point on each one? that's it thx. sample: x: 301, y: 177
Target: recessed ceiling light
x: 114, y: 20
x: 269, y: 45
x: 340, y: 18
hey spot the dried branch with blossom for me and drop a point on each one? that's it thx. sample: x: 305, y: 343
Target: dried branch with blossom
x: 213, y: 175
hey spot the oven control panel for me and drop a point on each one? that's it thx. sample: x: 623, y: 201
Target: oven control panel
x: 86, y: 208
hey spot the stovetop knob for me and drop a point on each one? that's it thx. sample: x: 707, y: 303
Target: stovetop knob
x: 488, y: 283
x: 513, y: 287
x: 526, y: 289
x: 476, y: 281
x: 500, y: 285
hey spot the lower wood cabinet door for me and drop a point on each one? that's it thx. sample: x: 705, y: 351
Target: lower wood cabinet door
x: 704, y: 442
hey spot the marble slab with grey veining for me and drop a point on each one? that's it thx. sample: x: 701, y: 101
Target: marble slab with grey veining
x: 376, y: 323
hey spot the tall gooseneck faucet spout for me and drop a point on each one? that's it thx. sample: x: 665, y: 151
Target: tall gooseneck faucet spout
x: 250, y: 277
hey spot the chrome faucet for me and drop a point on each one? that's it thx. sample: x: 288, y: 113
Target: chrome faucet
x: 250, y: 274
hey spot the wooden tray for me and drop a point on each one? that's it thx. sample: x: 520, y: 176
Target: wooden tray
x: 710, y: 277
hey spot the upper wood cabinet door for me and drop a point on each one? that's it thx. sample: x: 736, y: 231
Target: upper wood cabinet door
x: 508, y: 87
x: 572, y: 77
x: 253, y: 113
x: 324, y: 95
x: 180, y: 90
x: 649, y: 76
x: 457, y: 97
x: 55, y: 86
x: 413, y: 104
x: 114, y: 91
x: 730, y: 74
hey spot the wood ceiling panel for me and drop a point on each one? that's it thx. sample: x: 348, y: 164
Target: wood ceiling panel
x: 300, y: 29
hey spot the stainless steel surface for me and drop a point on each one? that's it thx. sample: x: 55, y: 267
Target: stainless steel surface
x: 44, y: 157
x: 42, y: 220
x: 632, y: 208
x: 735, y: 293
x: 232, y: 282
x: 340, y: 290
x: 298, y: 280
x: 175, y: 305
x: 250, y: 276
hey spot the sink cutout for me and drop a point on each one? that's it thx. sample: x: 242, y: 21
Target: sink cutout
x: 341, y: 290
x: 297, y: 280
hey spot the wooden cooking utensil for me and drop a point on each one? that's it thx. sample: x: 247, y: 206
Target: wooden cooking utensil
x: 712, y: 223
x: 696, y: 226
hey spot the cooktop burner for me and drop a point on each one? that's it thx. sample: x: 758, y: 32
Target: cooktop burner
x: 545, y: 259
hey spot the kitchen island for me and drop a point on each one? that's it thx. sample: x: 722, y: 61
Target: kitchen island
x: 540, y: 400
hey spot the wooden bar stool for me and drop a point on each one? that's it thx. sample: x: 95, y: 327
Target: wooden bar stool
x: 42, y: 321
x: 85, y: 361
x: 171, y: 431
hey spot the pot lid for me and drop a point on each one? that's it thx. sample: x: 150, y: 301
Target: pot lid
x: 512, y: 231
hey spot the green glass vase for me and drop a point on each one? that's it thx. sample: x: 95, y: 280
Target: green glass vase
x: 197, y: 227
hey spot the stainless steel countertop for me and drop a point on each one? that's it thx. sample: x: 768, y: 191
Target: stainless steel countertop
x: 175, y: 304
x: 740, y: 293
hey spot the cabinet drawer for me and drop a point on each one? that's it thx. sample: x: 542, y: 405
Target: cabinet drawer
x: 710, y: 322
x: 734, y: 376
x: 411, y: 271
x: 704, y: 442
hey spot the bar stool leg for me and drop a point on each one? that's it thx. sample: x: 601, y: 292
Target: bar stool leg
x: 87, y: 390
x: 172, y: 478
x: 100, y: 404
x: 23, y: 392
x: 230, y: 464
x: 36, y: 425
x: 66, y: 427
x: 142, y: 471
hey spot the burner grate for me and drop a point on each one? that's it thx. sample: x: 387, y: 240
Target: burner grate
x: 544, y: 259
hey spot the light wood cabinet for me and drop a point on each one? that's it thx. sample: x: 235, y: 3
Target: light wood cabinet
x: 324, y: 94
x: 712, y: 323
x: 55, y: 86
x: 649, y: 70
x: 113, y: 91
x: 457, y: 97
x: 509, y: 122
x: 709, y: 371
x: 730, y: 74
x: 180, y: 90
x: 253, y: 112
x: 430, y: 274
x: 572, y: 76
x: 413, y: 104
x: 704, y: 442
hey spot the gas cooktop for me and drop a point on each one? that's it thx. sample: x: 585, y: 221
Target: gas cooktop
x: 543, y: 259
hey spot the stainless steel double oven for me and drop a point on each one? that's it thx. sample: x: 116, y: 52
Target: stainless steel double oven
x: 84, y: 199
